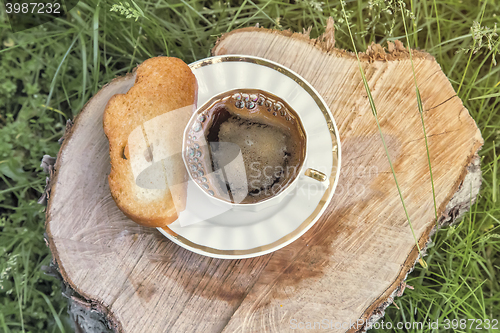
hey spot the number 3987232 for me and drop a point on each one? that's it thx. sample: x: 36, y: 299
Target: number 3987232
x: 33, y: 8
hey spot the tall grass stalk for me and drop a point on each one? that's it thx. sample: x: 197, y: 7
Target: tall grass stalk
x: 374, y: 112
x: 438, y: 31
x: 495, y: 175
x: 421, y: 111
x: 471, y: 53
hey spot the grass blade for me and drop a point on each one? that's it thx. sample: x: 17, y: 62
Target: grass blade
x: 470, y: 55
x: 230, y: 26
x: 54, y: 79
x: 84, y: 69
x: 485, y: 96
x: 3, y: 324
x: 20, y: 297
x: 495, y: 174
x: 97, y: 58
x: 439, y: 32
x: 197, y: 13
x: 54, y: 313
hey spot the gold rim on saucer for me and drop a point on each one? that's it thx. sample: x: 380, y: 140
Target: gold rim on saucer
x: 325, y: 199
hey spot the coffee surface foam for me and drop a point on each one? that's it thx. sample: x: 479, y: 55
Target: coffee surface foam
x: 259, y: 126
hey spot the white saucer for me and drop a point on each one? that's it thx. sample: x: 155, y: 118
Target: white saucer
x: 236, y: 234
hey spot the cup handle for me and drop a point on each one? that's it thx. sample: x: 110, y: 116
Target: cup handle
x: 317, y: 175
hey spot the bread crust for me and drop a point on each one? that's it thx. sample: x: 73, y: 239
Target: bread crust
x: 162, y: 85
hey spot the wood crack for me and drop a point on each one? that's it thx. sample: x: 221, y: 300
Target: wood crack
x: 447, y: 100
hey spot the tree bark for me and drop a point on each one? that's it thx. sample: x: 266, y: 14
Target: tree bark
x: 348, y: 267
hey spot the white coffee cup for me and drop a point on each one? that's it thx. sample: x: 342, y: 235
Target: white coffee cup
x: 195, y: 149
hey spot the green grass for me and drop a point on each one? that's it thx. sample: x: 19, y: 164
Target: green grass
x: 49, y: 72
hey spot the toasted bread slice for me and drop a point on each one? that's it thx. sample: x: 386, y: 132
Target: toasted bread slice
x: 148, y: 179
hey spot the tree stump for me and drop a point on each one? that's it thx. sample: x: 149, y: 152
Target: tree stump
x: 348, y: 267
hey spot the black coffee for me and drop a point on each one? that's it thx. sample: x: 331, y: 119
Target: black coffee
x: 254, y: 145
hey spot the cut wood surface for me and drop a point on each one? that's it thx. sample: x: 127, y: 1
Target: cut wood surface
x: 348, y: 267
